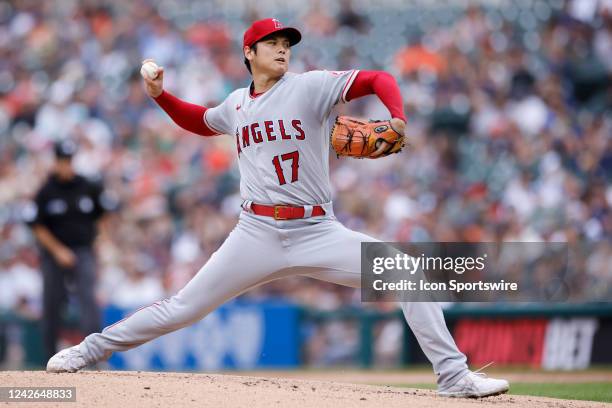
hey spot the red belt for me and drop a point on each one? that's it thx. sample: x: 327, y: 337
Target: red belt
x: 284, y: 212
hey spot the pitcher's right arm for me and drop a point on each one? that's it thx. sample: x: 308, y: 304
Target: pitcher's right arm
x: 187, y: 115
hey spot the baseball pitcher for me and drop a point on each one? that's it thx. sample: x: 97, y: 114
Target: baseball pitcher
x: 287, y: 226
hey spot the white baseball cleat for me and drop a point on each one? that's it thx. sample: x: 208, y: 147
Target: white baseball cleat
x: 475, y: 385
x: 68, y: 360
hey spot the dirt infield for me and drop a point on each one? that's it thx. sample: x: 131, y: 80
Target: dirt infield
x: 425, y: 376
x: 119, y: 389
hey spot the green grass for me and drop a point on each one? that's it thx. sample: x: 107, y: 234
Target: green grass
x: 590, y: 391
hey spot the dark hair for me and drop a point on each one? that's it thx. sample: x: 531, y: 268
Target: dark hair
x: 246, y: 61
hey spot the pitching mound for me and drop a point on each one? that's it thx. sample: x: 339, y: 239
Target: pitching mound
x: 119, y: 389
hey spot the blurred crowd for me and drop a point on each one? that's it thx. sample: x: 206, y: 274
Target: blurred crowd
x: 509, y: 128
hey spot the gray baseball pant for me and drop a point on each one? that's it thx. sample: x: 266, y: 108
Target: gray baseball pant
x: 258, y: 250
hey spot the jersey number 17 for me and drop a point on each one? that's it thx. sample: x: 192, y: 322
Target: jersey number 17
x: 295, y: 158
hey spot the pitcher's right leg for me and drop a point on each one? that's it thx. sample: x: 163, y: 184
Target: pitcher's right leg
x: 250, y: 254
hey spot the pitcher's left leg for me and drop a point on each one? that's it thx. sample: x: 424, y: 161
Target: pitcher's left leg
x: 335, y: 252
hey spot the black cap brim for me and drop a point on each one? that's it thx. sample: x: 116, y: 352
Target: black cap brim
x: 65, y: 149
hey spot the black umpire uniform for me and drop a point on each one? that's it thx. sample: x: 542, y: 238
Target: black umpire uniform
x: 67, y: 208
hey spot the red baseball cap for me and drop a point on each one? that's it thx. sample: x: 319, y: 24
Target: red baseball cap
x: 261, y: 28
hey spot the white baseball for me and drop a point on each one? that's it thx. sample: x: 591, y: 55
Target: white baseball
x: 149, y: 70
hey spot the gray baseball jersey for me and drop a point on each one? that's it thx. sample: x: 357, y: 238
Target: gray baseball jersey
x: 282, y: 136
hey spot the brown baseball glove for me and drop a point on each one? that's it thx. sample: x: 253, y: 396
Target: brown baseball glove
x: 356, y: 138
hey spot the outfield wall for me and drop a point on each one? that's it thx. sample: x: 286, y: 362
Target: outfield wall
x: 265, y: 335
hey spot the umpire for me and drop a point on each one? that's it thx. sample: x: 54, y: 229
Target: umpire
x: 68, y: 207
